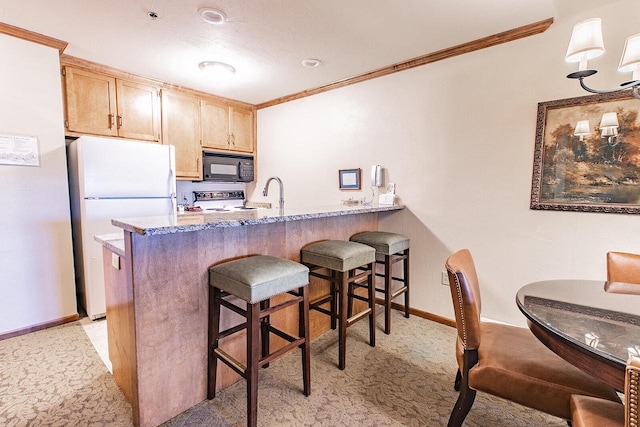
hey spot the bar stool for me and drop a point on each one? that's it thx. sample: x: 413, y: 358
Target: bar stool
x: 342, y: 259
x: 395, y: 248
x: 255, y: 280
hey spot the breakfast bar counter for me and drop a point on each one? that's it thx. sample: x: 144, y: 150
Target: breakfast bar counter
x: 157, y: 289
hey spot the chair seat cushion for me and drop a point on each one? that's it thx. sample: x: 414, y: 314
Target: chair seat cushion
x: 587, y: 411
x: 338, y: 255
x: 384, y: 242
x: 514, y: 365
x: 258, y: 278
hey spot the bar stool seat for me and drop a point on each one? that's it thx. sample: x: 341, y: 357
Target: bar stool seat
x: 343, y: 259
x: 255, y: 280
x: 394, y: 248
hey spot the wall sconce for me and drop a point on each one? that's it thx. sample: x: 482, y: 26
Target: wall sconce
x: 609, y: 127
x: 582, y: 129
x: 587, y: 43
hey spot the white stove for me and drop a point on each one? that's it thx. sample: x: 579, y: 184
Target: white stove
x: 220, y: 201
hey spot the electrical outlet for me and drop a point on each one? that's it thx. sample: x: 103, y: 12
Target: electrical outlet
x: 115, y: 261
x: 391, y: 188
x: 444, y: 279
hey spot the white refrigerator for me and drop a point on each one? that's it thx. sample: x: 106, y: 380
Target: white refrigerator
x: 113, y: 178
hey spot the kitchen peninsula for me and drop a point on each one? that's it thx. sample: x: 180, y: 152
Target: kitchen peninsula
x: 157, y: 288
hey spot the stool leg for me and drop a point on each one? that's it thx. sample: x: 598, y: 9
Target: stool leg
x: 372, y: 304
x: 303, y: 331
x: 334, y: 300
x: 214, y: 333
x: 387, y: 294
x: 342, y: 319
x: 350, y: 292
x: 253, y: 358
x: 406, y: 283
x: 264, y: 330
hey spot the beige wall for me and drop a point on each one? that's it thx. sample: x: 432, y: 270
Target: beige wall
x: 36, y: 259
x: 457, y: 138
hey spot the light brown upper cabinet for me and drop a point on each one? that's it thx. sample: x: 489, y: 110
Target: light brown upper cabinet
x: 99, y: 104
x: 181, y: 128
x: 227, y: 127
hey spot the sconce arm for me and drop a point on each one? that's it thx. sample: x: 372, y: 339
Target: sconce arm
x: 581, y: 75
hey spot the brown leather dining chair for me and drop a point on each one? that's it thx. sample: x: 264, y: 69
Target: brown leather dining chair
x: 623, y: 273
x: 593, y: 412
x: 507, y: 361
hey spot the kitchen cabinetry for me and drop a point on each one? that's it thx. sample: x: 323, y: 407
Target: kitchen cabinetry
x: 181, y: 128
x: 100, y: 104
x: 227, y: 127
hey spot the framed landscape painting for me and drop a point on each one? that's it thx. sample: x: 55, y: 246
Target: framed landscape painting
x: 587, y: 155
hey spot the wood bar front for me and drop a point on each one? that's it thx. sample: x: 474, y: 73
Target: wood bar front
x: 157, y: 306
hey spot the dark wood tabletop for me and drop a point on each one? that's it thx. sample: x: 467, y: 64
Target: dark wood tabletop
x: 592, y: 329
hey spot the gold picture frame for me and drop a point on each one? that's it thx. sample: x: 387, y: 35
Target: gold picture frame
x: 593, y: 170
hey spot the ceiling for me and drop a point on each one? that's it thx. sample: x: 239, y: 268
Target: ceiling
x: 265, y: 41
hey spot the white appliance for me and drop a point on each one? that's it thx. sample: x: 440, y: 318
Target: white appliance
x: 113, y: 178
x: 220, y: 200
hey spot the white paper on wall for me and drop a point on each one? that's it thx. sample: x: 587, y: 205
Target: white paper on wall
x: 21, y: 150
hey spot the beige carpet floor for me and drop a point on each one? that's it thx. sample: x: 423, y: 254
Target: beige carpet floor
x: 56, y: 378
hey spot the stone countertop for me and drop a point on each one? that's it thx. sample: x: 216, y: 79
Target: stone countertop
x: 196, y: 221
x: 114, y: 242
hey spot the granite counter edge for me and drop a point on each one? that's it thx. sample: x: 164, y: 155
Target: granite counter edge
x: 172, y: 229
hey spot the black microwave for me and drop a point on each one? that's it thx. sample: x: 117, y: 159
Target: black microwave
x: 227, y: 167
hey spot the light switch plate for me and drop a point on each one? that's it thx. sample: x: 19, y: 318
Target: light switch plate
x: 115, y: 261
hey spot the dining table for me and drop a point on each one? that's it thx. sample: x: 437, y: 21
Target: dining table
x: 595, y: 330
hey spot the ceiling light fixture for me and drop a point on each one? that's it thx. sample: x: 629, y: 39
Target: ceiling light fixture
x: 217, y: 69
x: 311, y: 62
x: 587, y: 43
x: 212, y: 16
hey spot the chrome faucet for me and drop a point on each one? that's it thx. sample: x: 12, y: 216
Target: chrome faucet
x: 265, y: 192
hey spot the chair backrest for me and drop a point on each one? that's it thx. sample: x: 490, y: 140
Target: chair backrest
x: 631, y: 391
x: 623, y: 273
x: 623, y: 267
x: 465, y: 293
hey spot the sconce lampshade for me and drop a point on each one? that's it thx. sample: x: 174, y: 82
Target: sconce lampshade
x: 586, y: 41
x: 582, y: 128
x: 609, y: 120
x: 630, y: 60
x: 609, y: 125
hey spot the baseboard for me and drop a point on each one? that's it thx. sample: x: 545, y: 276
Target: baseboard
x: 422, y: 314
x: 39, y: 327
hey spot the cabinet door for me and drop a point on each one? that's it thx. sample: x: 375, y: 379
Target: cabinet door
x: 215, y: 125
x: 181, y: 128
x: 138, y: 111
x: 90, y: 102
x: 242, y: 135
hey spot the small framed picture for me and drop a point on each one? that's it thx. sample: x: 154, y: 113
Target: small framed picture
x: 349, y: 179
